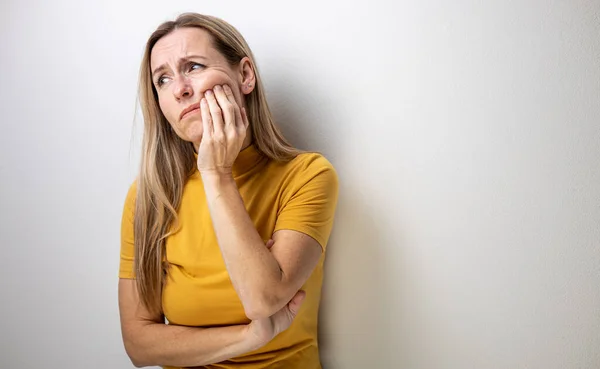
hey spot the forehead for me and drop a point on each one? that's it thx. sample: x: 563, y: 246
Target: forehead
x: 181, y: 43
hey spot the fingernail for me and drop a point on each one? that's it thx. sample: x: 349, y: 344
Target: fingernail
x: 203, y: 101
x: 227, y: 89
x: 218, y: 88
x: 208, y: 92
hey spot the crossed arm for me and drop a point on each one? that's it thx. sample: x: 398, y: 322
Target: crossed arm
x: 264, y: 278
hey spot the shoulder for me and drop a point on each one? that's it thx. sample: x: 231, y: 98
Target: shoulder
x: 131, y: 195
x: 308, y: 170
x: 310, y: 164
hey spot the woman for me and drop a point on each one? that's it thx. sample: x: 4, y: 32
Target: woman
x: 231, y: 223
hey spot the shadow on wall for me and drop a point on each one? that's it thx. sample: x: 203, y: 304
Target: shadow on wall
x: 356, y: 317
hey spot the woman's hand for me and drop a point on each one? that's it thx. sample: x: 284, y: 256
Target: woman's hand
x: 225, y: 126
x: 262, y: 331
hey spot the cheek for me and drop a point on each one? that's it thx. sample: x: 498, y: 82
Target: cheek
x: 168, y: 109
x: 162, y: 104
x: 209, y: 81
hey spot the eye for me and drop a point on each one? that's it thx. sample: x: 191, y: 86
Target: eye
x: 161, y: 80
x: 194, y: 65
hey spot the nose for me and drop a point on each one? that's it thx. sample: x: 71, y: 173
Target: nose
x: 182, y: 88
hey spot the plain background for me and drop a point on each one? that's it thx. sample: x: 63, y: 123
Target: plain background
x: 466, y: 135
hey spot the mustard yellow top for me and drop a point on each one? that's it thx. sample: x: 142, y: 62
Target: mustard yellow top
x: 300, y: 195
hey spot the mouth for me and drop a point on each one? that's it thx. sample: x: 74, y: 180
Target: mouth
x: 194, y: 108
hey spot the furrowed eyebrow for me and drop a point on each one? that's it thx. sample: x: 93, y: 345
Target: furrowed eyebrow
x: 164, y: 66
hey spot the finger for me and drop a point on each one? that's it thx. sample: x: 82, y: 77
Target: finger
x: 239, y: 122
x: 226, y: 107
x: 215, y: 113
x: 270, y: 244
x: 207, y: 125
x: 296, y: 302
x: 245, y: 121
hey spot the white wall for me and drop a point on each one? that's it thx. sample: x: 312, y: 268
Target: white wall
x: 467, y: 139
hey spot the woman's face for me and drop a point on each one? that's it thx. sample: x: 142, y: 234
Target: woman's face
x: 184, y: 64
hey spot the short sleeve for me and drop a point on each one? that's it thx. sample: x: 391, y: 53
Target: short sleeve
x: 311, y: 202
x: 127, y: 246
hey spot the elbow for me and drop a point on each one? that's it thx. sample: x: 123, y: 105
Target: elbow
x: 138, y: 364
x: 137, y: 361
x: 256, y: 313
x: 261, y: 308
x: 135, y: 356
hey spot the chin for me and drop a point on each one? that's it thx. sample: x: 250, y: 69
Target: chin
x: 197, y: 138
x: 194, y: 132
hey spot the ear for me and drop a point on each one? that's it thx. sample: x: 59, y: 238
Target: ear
x: 247, y: 76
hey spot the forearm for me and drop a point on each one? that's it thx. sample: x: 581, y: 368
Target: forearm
x: 170, y: 345
x: 254, y: 272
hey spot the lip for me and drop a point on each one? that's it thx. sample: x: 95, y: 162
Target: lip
x: 189, y: 109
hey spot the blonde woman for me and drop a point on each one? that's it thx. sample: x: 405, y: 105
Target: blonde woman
x: 225, y: 229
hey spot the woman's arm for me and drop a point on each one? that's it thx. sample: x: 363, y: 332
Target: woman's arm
x: 265, y: 280
x: 149, y: 342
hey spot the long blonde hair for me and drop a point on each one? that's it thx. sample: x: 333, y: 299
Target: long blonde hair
x: 167, y: 161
